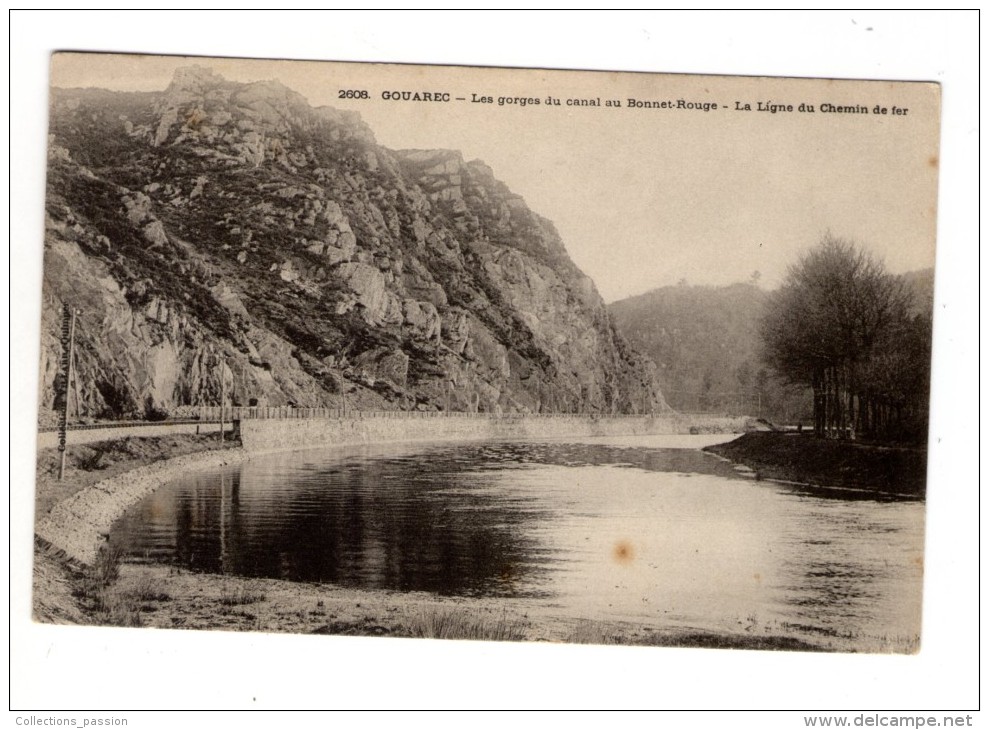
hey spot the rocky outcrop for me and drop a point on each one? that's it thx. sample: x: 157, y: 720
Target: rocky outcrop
x: 223, y: 230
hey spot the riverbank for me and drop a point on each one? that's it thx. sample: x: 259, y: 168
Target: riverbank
x: 102, y: 480
x: 880, y: 470
x: 91, y: 463
x: 107, y: 592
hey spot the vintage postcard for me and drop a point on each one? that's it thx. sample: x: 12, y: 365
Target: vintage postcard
x: 482, y: 353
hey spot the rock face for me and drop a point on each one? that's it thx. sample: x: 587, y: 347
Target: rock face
x: 223, y: 230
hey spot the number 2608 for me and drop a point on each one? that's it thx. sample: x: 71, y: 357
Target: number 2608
x: 353, y: 94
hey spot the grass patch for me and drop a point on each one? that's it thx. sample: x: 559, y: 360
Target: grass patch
x: 437, y: 623
x: 146, y: 590
x: 114, y: 609
x: 106, y: 567
x: 87, y: 464
x: 241, y: 596
x: 96, y: 594
x: 591, y: 632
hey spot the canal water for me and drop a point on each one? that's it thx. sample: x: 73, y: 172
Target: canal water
x: 650, y: 530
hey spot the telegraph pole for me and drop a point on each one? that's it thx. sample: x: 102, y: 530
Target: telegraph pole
x: 223, y: 396
x: 68, y: 352
x: 338, y: 377
x: 203, y: 369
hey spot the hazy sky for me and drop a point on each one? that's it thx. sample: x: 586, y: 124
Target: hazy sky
x: 646, y: 197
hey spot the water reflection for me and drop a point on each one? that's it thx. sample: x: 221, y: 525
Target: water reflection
x: 359, y: 523
x: 604, y: 530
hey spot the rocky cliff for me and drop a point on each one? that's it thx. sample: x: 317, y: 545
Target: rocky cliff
x: 230, y: 230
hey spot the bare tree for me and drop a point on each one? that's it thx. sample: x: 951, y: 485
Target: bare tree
x: 836, y: 324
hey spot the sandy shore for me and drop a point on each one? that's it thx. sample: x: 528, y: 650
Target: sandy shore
x: 169, y: 598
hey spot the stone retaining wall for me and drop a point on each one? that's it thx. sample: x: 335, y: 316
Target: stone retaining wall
x: 284, y: 435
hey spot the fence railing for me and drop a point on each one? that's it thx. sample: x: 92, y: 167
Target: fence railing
x: 236, y: 413
x: 212, y: 414
x: 126, y: 424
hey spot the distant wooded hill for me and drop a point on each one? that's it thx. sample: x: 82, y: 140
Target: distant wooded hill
x: 705, y: 343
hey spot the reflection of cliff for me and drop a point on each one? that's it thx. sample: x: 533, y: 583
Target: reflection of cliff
x: 362, y: 523
x: 230, y: 227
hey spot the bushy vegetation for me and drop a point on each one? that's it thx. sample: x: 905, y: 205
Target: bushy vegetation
x: 95, y: 591
x: 132, y: 260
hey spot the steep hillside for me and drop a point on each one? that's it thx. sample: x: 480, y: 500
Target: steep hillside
x: 230, y: 228
x: 705, y: 342
x: 706, y: 345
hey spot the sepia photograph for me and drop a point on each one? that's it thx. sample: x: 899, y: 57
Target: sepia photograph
x: 476, y: 354
x: 297, y: 378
